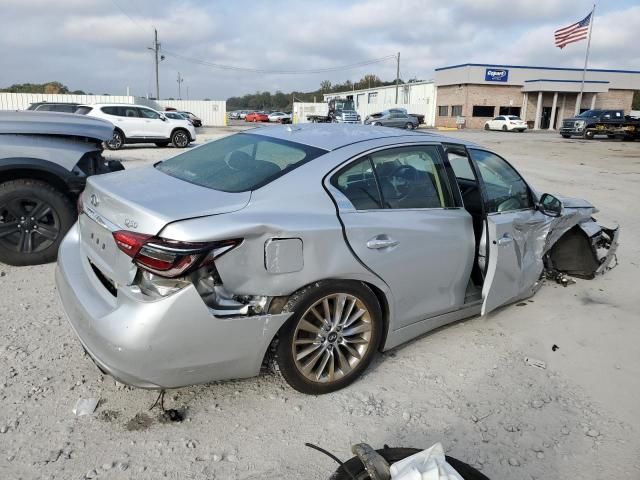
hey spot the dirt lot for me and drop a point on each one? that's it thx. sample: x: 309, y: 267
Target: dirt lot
x: 466, y: 385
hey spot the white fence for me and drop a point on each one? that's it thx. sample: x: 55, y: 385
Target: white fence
x: 212, y: 112
x: 302, y: 110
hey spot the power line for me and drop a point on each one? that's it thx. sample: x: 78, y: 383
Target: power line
x: 127, y: 15
x: 278, y: 72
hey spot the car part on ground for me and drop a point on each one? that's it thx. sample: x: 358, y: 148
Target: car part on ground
x: 316, y: 243
x: 141, y: 124
x: 45, y: 159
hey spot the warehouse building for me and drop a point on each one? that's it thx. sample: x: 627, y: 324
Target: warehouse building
x: 474, y: 93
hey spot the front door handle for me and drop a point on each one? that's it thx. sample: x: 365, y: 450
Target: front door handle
x: 505, y: 240
x: 381, y: 241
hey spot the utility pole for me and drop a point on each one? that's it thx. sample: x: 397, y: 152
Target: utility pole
x: 158, y: 59
x: 397, y: 75
x: 180, y: 80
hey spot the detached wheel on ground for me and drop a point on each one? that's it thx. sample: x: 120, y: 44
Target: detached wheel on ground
x: 34, y: 217
x: 180, y: 138
x: 116, y: 142
x: 392, y: 455
x: 331, y: 337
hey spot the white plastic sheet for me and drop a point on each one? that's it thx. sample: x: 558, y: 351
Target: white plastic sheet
x: 429, y: 464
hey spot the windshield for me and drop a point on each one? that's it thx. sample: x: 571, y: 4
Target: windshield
x: 239, y: 163
x: 590, y: 113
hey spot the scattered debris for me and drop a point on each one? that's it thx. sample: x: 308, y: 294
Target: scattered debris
x: 141, y: 421
x: 555, y: 347
x: 560, y: 278
x: 532, y: 362
x: 85, y: 406
x: 171, y: 415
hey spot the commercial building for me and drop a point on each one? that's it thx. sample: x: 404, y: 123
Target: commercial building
x: 542, y: 96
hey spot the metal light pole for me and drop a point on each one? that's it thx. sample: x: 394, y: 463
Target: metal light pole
x: 397, y: 76
x: 180, y: 80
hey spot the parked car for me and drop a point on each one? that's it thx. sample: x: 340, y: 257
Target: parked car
x: 392, y: 119
x: 45, y: 159
x: 53, y: 107
x: 419, y: 116
x: 243, y: 114
x: 177, y: 116
x: 584, y: 124
x: 140, y: 124
x: 280, y: 117
x: 506, y: 123
x: 234, y: 115
x: 320, y: 244
x: 195, y: 120
x: 256, y: 117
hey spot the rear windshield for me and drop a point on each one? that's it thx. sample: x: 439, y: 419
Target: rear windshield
x: 239, y: 163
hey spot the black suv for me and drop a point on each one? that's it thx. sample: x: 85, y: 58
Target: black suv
x: 54, y: 107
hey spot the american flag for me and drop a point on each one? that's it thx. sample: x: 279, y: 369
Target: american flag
x: 573, y: 33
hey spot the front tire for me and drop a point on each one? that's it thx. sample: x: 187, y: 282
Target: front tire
x: 486, y: 126
x: 116, y: 142
x: 504, y: 128
x: 409, y: 126
x: 331, y: 337
x: 180, y: 138
x: 589, y: 134
x: 34, y: 217
x: 376, y: 124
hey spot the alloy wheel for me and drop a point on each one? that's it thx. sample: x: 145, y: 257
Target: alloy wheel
x: 180, y: 139
x: 28, y: 225
x: 332, y: 337
x: 116, y: 141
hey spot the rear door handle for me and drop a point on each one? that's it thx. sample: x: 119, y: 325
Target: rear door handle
x: 381, y: 241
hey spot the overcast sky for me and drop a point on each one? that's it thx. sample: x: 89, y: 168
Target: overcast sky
x: 100, y: 46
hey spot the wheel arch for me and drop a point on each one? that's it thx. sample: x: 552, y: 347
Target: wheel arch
x: 43, y: 170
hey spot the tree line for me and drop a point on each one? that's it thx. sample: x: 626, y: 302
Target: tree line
x: 49, y: 88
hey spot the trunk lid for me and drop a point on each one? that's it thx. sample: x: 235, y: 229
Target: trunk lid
x: 143, y: 200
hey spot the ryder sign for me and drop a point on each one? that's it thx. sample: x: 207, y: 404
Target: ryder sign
x: 496, y: 75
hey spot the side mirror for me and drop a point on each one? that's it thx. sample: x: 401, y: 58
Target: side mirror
x: 550, y: 205
x: 163, y: 118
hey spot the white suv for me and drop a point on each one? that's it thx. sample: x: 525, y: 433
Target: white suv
x: 139, y: 124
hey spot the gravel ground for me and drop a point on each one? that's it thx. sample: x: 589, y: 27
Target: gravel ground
x: 466, y: 385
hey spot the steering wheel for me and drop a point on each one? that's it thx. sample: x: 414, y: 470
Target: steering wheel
x: 407, y: 176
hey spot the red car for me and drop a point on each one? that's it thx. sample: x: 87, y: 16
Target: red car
x: 256, y: 117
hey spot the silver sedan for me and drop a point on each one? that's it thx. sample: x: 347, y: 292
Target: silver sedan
x: 310, y: 247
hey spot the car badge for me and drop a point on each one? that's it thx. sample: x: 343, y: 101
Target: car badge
x: 94, y: 200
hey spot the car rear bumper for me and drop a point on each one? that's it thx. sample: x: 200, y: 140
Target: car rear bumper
x: 161, y: 343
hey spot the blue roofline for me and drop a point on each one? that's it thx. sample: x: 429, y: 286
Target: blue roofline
x: 534, y: 67
x: 566, y: 81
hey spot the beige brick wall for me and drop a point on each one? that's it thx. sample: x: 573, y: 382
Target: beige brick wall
x: 502, y: 95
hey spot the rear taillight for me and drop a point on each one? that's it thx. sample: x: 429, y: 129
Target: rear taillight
x: 170, y: 258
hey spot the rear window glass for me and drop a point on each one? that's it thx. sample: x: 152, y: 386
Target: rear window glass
x: 239, y: 163
x: 83, y: 110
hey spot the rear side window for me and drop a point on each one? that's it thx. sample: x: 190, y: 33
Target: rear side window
x: 398, y: 178
x: 239, y: 163
x: 110, y: 110
x: 83, y: 110
x: 147, y: 113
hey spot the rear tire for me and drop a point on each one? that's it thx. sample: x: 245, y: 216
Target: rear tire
x: 504, y: 128
x: 31, y: 242
x: 409, y: 126
x: 486, y: 126
x: 180, y: 138
x: 316, y: 354
x: 117, y: 140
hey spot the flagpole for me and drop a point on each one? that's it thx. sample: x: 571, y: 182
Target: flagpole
x: 586, y: 60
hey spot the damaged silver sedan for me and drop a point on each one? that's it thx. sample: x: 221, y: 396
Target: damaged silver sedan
x: 315, y: 246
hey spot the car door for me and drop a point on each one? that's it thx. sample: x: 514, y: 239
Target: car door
x: 401, y: 221
x: 127, y: 118
x: 153, y: 125
x: 512, y: 237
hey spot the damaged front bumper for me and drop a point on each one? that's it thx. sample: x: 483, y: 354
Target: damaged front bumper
x: 583, y: 251
x: 169, y: 342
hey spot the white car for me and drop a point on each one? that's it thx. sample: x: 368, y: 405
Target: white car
x: 140, y: 124
x: 506, y: 123
x: 279, y: 116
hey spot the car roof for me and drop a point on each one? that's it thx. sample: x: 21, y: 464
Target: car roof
x: 115, y: 105
x: 331, y: 136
